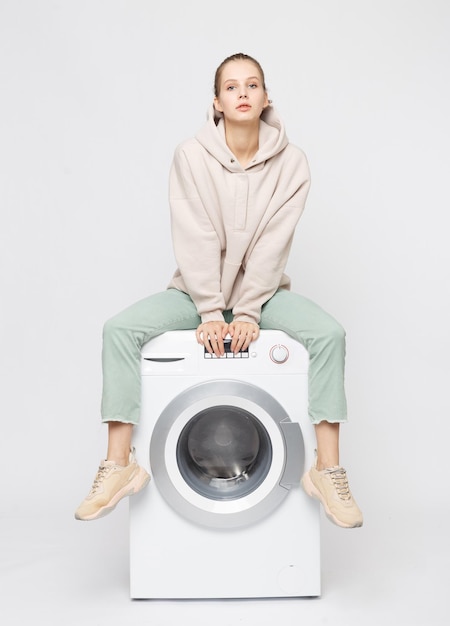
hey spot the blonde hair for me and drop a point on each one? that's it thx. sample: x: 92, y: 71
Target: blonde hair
x: 240, y: 56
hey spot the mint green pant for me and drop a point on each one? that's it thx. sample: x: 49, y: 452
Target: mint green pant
x: 125, y: 334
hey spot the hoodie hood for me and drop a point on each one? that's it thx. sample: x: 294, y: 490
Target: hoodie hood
x: 272, y: 138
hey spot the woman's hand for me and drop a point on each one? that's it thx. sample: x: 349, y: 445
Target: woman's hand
x: 242, y: 334
x: 211, y: 335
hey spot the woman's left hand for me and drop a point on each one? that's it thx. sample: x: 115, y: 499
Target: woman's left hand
x: 242, y: 334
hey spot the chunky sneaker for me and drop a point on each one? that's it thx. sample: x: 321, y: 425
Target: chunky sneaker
x: 330, y: 486
x: 112, y: 483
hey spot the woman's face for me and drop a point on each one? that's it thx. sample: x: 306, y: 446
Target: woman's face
x: 241, y: 97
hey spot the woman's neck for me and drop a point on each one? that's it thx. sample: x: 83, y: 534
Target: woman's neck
x: 243, y: 141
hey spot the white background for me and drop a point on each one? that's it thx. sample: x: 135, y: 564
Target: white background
x: 94, y: 97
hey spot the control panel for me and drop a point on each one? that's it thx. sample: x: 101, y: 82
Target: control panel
x: 278, y: 353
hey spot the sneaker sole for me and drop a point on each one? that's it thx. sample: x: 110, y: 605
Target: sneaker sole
x: 138, y: 483
x: 313, y: 492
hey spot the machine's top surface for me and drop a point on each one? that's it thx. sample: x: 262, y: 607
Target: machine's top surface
x: 274, y: 352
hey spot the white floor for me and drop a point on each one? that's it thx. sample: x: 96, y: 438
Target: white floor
x: 57, y: 571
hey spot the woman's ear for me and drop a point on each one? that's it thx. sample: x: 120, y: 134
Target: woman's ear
x: 217, y: 105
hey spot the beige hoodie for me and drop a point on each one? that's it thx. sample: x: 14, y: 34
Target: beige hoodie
x: 232, y: 228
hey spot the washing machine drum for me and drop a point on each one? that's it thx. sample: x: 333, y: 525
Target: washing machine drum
x: 225, y: 453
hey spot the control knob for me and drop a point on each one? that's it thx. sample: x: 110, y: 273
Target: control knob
x: 279, y: 353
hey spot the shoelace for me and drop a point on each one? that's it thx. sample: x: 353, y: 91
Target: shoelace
x: 339, y: 477
x: 101, y: 474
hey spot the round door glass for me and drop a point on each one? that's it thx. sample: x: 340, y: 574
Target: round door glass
x: 224, y: 452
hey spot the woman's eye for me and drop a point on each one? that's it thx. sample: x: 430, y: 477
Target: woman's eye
x: 253, y: 86
x: 230, y: 87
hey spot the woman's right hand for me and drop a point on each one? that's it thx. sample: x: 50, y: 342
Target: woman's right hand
x: 211, y: 335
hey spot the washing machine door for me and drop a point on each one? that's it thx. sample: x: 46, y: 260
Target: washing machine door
x: 225, y: 453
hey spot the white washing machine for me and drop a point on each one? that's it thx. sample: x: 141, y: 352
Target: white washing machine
x: 226, y: 441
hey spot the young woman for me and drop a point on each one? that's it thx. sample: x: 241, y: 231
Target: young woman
x: 237, y: 191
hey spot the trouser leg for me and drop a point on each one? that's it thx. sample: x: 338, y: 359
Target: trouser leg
x: 324, y: 338
x: 123, y: 337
